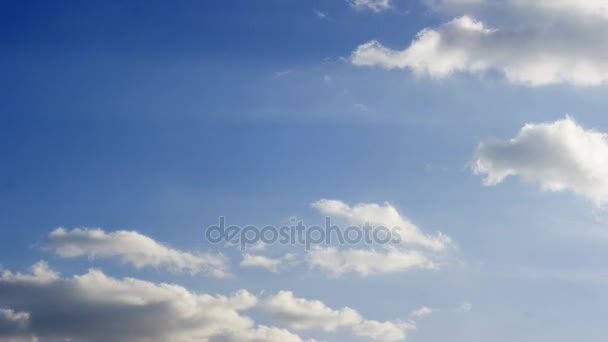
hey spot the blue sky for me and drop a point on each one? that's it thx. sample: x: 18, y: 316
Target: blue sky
x: 156, y: 118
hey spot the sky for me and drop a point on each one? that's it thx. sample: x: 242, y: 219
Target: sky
x: 476, y: 128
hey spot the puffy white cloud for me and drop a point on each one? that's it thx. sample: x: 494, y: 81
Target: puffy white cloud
x: 40, y: 274
x: 374, y: 5
x: 559, y: 156
x: 261, y: 333
x: 133, y: 248
x: 300, y: 314
x: 384, y: 331
x: 367, y: 261
x: 270, y: 264
x: 382, y: 215
x: 96, y: 307
x: 538, y: 43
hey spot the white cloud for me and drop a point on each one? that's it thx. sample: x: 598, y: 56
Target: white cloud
x: 300, y: 314
x: 133, y: 248
x: 367, y: 261
x: 261, y: 333
x: 558, y: 156
x: 270, y: 264
x: 423, y: 311
x: 542, y: 10
x: 538, y: 43
x: 382, y: 215
x: 374, y: 5
x: 40, y: 273
x: 569, y: 8
x: 96, y: 307
x: 384, y: 331
x: 370, y: 261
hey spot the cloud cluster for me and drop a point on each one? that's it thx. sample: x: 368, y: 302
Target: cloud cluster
x: 376, y: 260
x: 42, y: 305
x: 558, y: 156
x: 538, y: 43
x: 96, y: 307
x: 301, y: 314
x: 133, y: 248
x: 382, y: 215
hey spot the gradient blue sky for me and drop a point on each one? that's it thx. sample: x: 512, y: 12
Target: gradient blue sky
x: 159, y: 117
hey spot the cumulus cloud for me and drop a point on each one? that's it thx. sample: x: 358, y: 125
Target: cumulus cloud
x: 301, y: 313
x: 133, y: 248
x: 96, y: 307
x: 383, y: 331
x: 366, y: 262
x: 374, y: 5
x: 383, y: 259
x: 382, y: 215
x: 538, y: 43
x: 40, y: 273
x: 558, y: 156
x: 261, y: 261
x: 260, y: 334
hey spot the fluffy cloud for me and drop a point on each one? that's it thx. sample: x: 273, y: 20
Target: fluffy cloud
x: 366, y: 262
x: 539, y: 43
x: 559, y: 156
x: 374, y: 5
x: 543, y: 8
x: 270, y: 264
x: 382, y: 215
x: 369, y: 261
x: 96, y: 307
x: 132, y: 248
x: 300, y: 314
x: 383, y: 331
x: 40, y: 274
